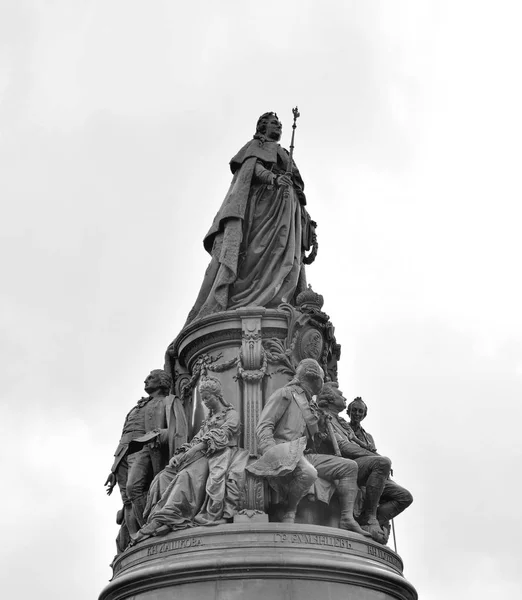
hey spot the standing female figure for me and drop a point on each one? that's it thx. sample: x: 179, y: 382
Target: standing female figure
x: 259, y: 236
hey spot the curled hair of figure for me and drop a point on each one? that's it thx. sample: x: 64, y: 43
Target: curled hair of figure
x: 164, y: 378
x: 328, y: 393
x: 212, y: 385
x: 309, y: 367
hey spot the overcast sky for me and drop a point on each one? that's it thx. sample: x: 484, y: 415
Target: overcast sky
x: 117, y: 123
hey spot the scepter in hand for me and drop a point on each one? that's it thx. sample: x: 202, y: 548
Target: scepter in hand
x: 296, y: 114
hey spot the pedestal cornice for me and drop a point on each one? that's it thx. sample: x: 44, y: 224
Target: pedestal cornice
x: 258, y: 552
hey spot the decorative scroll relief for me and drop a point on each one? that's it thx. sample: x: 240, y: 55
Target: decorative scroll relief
x: 310, y: 335
x: 201, y: 344
x: 202, y: 366
x: 251, y: 346
x: 251, y: 363
x: 252, y: 374
x: 311, y: 344
x: 252, y: 368
x: 181, y: 381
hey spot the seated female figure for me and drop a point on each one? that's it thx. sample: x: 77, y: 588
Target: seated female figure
x: 202, y: 483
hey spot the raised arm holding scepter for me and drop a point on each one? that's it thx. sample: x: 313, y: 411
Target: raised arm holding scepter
x: 257, y: 241
x: 289, y: 169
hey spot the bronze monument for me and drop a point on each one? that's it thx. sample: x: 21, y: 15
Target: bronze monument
x: 239, y: 478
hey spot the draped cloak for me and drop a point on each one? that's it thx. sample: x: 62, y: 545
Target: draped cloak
x: 258, y: 237
x: 207, y: 485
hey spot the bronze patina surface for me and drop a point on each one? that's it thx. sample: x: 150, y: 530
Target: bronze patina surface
x: 239, y: 477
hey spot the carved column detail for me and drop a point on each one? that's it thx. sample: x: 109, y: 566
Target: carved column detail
x: 251, y: 370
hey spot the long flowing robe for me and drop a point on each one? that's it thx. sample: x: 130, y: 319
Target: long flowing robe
x: 258, y: 237
x: 206, y: 487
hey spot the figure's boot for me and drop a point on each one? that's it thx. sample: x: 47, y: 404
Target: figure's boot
x: 291, y: 508
x: 304, y: 476
x: 347, y: 490
x: 288, y: 517
x: 138, y: 506
x: 130, y: 520
x: 386, y: 528
x: 152, y: 528
x: 396, y: 499
x: 368, y: 518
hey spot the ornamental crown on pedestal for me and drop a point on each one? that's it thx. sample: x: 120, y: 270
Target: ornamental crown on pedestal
x: 310, y: 299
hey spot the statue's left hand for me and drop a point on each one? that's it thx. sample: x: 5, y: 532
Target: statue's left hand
x: 110, y: 483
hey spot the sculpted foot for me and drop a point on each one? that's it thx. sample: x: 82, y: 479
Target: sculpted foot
x: 288, y: 517
x: 147, y: 531
x: 377, y: 534
x: 162, y: 530
x: 350, y: 524
x: 139, y: 537
x: 386, y: 528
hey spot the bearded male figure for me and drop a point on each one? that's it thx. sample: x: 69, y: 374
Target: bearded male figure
x: 261, y: 232
x: 287, y: 434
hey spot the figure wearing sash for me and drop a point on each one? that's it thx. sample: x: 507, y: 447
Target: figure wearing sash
x: 286, y: 434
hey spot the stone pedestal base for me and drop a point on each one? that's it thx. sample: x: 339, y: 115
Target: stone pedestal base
x: 261, y: 561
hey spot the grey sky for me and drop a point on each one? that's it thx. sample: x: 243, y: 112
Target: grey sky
x: 117, y: 122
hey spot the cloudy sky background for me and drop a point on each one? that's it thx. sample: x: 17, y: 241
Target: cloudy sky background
x: 117, y: 122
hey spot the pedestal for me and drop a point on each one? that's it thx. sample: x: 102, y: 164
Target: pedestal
x: 254, y: 351
x: 268, y: 561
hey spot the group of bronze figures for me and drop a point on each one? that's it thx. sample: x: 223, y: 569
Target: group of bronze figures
x: 306, y: 448
x: 258, y: 243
